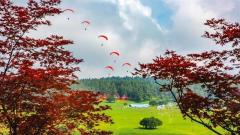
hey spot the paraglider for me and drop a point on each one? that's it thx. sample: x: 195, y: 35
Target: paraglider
x: 126, y: 64
x: 68, y: 10
x: 109, y: 68
x: 115, y: 53
x: 103, y: 37
x: 85, y: 24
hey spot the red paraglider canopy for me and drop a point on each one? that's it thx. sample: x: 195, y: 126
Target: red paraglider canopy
x: 115, y: 53
x: 110, y: 68
x: 103, y: 36
x: 126, y: 64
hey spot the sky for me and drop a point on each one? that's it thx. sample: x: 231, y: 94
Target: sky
x: 139, y: 29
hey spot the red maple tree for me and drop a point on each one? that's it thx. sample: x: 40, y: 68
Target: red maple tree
x: 215, y: 72
x: 36, y: 75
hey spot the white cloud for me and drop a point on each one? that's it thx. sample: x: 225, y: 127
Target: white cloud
x: 188, y: 19
x: 148, y: 51
x: 130, y: 9
x: 135, y: 6
x: 111, y: 1
x: 127, y: 22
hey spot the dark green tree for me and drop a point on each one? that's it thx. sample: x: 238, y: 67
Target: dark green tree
x: 150, y: 123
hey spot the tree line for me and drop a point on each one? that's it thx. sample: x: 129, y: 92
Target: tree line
x: 135, y: 88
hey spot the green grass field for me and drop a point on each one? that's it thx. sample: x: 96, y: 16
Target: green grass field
x: 127, y: 121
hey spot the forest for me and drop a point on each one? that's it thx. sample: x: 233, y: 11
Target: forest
x: 135, y: 88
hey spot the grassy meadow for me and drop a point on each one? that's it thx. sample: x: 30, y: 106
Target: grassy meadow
x: 127, y: 121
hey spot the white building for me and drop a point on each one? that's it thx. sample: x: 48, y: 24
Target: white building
x: 139, y: 105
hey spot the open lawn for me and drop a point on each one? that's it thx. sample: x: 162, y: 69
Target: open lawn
x: 127, y: 121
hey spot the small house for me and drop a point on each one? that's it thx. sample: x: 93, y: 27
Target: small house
x: 139, y: 105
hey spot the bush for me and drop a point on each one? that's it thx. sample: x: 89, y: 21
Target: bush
x: 153, y: 103
x: 164, y: 102
x: 150, y: 123
x: 157, y: 102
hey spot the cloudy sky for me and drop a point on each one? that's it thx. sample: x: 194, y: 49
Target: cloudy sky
x: 138, y: 29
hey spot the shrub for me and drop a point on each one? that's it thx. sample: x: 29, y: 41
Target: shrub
x: 153, y: 103
x: 150, y: 123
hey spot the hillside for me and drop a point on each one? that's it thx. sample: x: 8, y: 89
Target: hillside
x: 135, y: 88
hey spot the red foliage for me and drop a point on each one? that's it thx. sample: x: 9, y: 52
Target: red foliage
x: 224, y: 32
x: 217, y: 72
x: 36, y: 75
